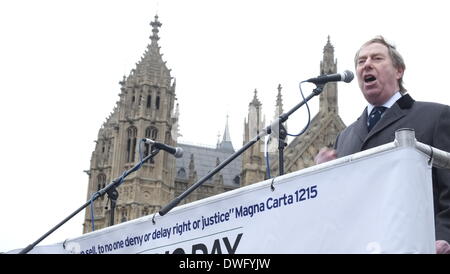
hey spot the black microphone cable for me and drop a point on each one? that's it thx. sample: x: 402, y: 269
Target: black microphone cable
x: 309, y: 114
x: 266, y: 153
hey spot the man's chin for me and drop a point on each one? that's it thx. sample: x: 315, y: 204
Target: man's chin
x: 373, y: 97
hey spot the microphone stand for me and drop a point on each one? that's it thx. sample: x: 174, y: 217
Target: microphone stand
x: 112, y: 195
x: 282, y: 134
x: 109, y: 189
x: 281, y: 119
x: 282, y: 131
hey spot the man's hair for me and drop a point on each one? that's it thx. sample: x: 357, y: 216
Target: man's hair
x: 397, y: 59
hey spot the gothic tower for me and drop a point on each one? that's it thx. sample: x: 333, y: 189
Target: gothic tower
x: 279, y: 103
x: 328, y: 98
x: 145, y: 110
x: 273, y: 143
x: 253, y: 167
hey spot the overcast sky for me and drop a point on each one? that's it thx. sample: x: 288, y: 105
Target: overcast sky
x: 61, y: 61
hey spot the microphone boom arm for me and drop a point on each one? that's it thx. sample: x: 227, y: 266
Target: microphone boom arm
x: 282, y: 118
x: 109, y: 188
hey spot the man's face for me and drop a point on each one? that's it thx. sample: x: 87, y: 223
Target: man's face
x: 377, y: 76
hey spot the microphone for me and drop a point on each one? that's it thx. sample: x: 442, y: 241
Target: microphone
x: 176, y: 151
x: 346, y: 76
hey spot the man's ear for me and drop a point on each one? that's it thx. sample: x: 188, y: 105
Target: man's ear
x: 400, y: 72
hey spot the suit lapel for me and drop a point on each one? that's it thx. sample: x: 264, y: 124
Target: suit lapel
x: 361, y: 126
x: 393, y: 114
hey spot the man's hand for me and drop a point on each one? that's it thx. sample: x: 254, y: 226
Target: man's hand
x: 442, y: 247
x: 325, y: 154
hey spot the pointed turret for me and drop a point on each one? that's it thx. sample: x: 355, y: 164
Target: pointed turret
x: 328, y: 64
x: 328, y: 98
x: 253, y: 160
x: 226, y: 144
x: 273, y: 146
x: 255, y: 122
x: 255, y: 102
x: 226, y: 133
x: 151, y: 69
x: 279, y: 103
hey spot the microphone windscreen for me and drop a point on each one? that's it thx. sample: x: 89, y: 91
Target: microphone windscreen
x: 178, y: 152
x: 348, y: 76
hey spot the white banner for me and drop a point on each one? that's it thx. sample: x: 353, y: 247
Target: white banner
x: 379, y: 204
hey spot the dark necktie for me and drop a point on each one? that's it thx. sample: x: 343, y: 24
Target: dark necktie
x: 375, y: 116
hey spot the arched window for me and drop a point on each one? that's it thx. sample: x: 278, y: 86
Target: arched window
x: 101, y: 181
x: 181, y: 173
x: 124, y: 215
x: 149, y: 101
x: 151, y: 133
x: 131, y: 144
x: 133, y: 96
x: 157, y: 102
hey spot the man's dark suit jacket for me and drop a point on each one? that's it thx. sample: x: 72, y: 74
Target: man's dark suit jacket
x: 431, y: 122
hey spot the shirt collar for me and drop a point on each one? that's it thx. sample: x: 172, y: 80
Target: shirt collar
x: 387, y: 104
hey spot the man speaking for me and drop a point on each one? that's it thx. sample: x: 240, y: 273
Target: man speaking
x: 379, y: 70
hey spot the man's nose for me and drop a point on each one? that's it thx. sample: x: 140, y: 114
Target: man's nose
x: 367, y: 64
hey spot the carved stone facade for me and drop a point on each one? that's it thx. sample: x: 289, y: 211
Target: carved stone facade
x: 253, y: 165
x: 147, y: 109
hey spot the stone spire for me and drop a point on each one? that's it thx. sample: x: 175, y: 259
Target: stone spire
x: 279, y: 103
x: 226, y: 134
x: 255, y: 120
x: 151, y: 69
x: 253, y: 168
x: 278, y: 112
x: 255, y: 102
x: 328, y: 64
x: 328, y: 98
x: 226, y: 144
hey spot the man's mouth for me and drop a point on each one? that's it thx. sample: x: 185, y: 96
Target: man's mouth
x: 369, y: 79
